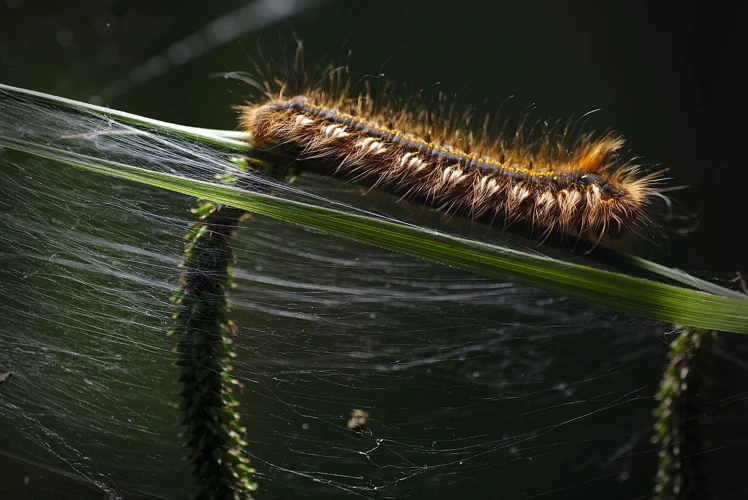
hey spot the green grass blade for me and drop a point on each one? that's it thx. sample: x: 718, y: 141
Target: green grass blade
x: 678, y: 276
x: 232, y: 139
x: 625, y: 293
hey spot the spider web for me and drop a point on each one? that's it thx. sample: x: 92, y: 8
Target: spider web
x: 473, y: 387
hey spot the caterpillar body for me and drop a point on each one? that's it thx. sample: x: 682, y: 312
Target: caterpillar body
x: 555, y: 185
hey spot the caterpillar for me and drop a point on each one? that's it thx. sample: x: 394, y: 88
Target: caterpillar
x: 557, y: 184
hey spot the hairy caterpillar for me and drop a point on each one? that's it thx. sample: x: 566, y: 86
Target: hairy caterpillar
x: 554, y: 185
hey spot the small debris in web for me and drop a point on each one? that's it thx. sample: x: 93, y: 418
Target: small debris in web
x: 359, y: 422
x: 5, y: 376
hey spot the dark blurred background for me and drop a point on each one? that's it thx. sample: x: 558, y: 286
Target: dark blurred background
x: 541, y: 396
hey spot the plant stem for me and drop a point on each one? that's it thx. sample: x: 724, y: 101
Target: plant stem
x: 681, y: 470
x: 204, y: 337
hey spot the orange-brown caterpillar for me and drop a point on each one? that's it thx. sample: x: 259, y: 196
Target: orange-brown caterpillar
x: 553, y: 186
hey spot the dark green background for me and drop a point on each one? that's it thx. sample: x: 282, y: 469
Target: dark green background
x: 328, y: 326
